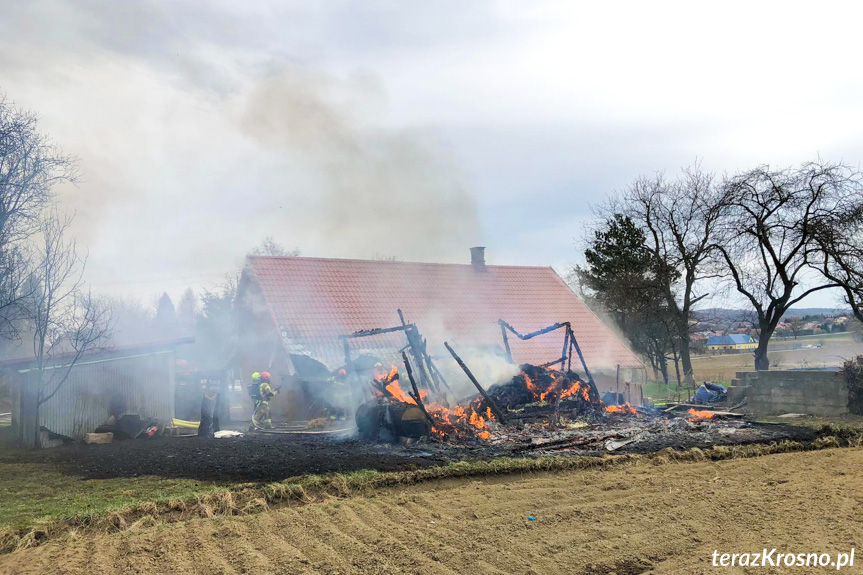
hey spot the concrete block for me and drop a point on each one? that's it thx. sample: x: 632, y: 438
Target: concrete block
x: 737, y: 393
x: 99, y: 437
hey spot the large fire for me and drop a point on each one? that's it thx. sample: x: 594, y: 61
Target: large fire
x: 625, y: 408
x: 390, y: 381
x: 697, y: 415
x: 448, y: 421
x: 451, y: 422
x: 576, y: 388
x: 556, y: 390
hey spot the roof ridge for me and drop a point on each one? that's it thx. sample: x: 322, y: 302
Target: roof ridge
x: 391, y: 262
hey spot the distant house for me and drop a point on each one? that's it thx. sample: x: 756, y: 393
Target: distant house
x: 732, y: 341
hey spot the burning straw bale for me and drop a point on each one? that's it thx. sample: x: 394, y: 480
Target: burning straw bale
x: 538, y: 384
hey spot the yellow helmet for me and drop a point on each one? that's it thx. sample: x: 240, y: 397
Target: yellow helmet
x: 256, y: 376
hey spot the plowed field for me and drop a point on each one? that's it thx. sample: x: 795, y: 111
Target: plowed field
x: 664, y: 518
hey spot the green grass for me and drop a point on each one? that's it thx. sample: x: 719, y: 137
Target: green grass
x: 36, y: 493
x: 658, y: 392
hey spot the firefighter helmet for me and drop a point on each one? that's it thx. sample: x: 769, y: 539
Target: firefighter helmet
x: 256, y: 376
x: 265, y: 376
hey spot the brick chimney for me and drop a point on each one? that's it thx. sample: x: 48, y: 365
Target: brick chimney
x: 477, y: 258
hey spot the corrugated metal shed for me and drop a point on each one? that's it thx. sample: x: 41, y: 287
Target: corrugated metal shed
x: 143, y: 384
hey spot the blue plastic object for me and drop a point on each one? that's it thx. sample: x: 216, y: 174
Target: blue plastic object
x: 531, y: 518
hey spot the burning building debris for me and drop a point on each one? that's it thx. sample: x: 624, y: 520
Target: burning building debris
x: 535, y: 392
x: 540, y: 409
x: 509, y: 390
x: 546, y: 412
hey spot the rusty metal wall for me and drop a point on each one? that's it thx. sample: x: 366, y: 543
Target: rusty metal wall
x: 143, y: 383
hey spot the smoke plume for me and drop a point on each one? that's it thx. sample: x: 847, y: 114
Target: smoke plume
x: 381, y: 190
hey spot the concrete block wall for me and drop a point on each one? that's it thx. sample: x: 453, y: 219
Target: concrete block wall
x: 821, y: 393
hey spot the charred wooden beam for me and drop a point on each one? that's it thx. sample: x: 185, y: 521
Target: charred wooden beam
x: 417, y: 348
x: 533, y: 334
x: 368, y: 332
x: 561, y: 361
x: 580, y: 355
x: 565, y: 348
x: 495, y: 409
x: 503, y: 334
x: 417, y: 352
x: 416, y: 392
x: 379, y: 386
x: 504, y: 327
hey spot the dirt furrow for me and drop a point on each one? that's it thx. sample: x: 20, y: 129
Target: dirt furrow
x: 658, y: 518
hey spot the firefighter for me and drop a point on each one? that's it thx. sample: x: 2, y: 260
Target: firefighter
x: 254, y: 390
x: 261, y: 418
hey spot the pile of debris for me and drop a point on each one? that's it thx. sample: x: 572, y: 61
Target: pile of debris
x: 535, y: 393
x: 540, y: 408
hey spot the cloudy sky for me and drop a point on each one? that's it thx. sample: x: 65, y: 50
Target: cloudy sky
x: 407, y: 129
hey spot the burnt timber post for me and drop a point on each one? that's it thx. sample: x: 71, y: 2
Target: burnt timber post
x: 498, y: 413
x: 416, y: 392
x: 580, y: 355
x: 505, y: 339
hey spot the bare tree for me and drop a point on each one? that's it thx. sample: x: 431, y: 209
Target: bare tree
x: 65, y: 320
x: 30, y: 166
x: 14, y: 283
x: 841, y: 243
x: 769, y: 241
x: 187, y: 310
x: 795, y: 324
x: 679, y: 219
x: 269, y: 247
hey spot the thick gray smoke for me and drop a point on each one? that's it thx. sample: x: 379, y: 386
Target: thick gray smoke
x: 203, y: 138
x: 382, y: 190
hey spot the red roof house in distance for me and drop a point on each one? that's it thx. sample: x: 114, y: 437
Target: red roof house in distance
x: 293, y: 308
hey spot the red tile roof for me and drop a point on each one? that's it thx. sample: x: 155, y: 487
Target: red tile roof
x: 314, y: 300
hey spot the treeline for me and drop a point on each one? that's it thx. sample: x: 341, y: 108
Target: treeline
x: 772, y: 236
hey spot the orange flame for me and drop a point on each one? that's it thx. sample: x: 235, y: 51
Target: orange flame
x: 448, y: 422
x: 530, y: 385
x: 477, y: 421
x: 453, y: 421
x: 396, y: 390
x: 625, y: 408
x: 699, y: 415
x: 382, y: 377
x: 576, y: 388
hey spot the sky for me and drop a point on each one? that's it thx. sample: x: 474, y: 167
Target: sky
x: 407, y: 129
